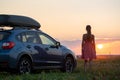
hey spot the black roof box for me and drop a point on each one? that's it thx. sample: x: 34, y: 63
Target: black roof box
x: 18, y: 21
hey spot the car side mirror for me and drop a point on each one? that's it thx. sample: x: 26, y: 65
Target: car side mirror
x: 57, y: 44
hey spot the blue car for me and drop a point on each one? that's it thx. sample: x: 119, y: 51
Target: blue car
x: 25, y: 48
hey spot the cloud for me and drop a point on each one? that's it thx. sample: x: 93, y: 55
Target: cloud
x: 106, y: 40
x: 97, y: 40
x: 109, y: 43
x: 71, y: 43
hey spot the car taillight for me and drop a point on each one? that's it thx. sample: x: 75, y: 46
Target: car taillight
x: 8, y: 45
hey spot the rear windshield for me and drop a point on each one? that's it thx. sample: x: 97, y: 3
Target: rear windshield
x: 4, y: 35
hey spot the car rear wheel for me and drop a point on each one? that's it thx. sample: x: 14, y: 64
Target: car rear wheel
x: 24, y: 66
x: 68, y: 65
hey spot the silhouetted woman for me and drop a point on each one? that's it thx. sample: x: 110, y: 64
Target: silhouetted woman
x: 88, y: 48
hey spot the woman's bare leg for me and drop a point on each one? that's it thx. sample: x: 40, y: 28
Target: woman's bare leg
x: 90, y: 64
x: 85, y: 65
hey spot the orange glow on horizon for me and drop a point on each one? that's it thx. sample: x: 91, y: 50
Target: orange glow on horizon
x: 102, y: 48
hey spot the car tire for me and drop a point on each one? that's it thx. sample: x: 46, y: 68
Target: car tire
x: 68, y: 65
x: 24, y: 66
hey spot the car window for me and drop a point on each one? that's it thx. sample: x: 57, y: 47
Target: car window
x: 29, y: 37
x: 4, y: 35
x: 22, y: 37
x: 32, y: 37
x: 46, y: 39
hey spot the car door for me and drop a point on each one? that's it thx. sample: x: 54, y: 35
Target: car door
x: 42, y: 48
x: 31, y: 42
x: 54, y: 52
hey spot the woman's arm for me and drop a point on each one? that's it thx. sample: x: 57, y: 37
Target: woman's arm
x: 82, y: 41
x: 82, y: 50
x: 94, y: 42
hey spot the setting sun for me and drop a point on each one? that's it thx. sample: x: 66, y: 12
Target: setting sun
x: 99, y: 46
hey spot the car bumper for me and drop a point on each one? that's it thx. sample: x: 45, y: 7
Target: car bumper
x: 4, y: 61
x: 7, y: 62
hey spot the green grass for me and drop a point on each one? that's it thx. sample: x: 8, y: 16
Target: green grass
x: 103, y: 69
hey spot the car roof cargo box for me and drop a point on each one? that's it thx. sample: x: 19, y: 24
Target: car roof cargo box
x: 18, y: 21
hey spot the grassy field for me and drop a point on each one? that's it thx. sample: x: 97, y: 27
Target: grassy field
x: 104, y: 68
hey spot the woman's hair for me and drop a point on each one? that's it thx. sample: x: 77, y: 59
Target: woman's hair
x: 88, y: 27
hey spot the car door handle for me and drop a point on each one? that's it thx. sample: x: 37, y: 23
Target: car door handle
x: 28, y: 46
x: 46, y: 49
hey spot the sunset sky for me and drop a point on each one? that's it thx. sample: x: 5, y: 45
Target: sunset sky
x: 65, y: 20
